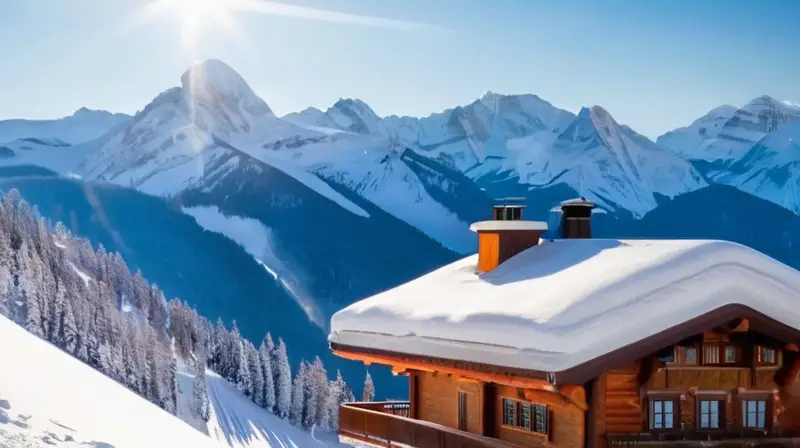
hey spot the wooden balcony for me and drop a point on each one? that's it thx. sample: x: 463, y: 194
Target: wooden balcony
x: 694, y: 438
x: 388, y: 424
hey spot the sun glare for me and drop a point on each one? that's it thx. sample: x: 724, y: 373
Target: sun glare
x: 196, y: 17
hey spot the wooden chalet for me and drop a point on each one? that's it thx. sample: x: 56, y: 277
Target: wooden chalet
x: 570, y: 341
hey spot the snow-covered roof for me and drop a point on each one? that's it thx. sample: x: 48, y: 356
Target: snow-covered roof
x: 567, y: 302
x: 508, y: 225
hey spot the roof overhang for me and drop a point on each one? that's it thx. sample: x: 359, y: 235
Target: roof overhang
x: 588, y: 370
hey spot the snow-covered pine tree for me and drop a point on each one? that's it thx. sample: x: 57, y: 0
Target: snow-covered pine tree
x: 241, y: 368
x: 256, y: 372
x: 283, y: 380
x: 265, y: 354
x: 339, y: 393
x: 200, y: 390
x: 368, y: 393
x: 318, y: 385
x: 298, y: 413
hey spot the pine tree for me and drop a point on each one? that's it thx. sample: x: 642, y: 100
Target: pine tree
x: 339, y: 393
x: 368, y: 393
x: 255, y: 368
x: 283, y: 380
x: 265, y: 354
x: 200, y: 390
x: 240, y: 372
x: 298, y: 391
x: 319, y: 391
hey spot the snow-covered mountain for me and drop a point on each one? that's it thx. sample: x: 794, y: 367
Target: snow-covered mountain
x: 685, y: 141
x: 82, y: 126
x: 194, y: 136
x: 527, y: 141
x: 771, y: 168
x: 753, y: 148
x: 48, y: 398
x: 724, y: 135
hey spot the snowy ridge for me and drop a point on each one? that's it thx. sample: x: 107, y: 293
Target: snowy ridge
x: 498, y: 137
x: 535, y: 310
x: 771, y: 168
x: 79, y: 406
x: 739, y: 132
x: 82, y: 126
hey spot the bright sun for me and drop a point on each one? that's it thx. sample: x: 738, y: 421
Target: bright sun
x: 196, y: 16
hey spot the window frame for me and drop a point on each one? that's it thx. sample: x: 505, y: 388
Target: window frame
x: 534, y: 421
x: 744, y: 410
x: 676, y: 413
x: 685, y: 357
x: 731, y: 349
x: 721, y: 401
x: 462, y: 411
x: 760, y: 350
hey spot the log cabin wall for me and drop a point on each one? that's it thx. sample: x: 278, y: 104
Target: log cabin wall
x: 438, y: 396
x: 565, y: 420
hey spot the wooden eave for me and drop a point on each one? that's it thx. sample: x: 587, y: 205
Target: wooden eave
x: 586, y: 371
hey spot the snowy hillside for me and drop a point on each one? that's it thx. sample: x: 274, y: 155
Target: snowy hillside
x: 82, y: 126
x: 49, y: 398
x: 237, y: 422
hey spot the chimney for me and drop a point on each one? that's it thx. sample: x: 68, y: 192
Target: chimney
x: 505, y: 235
x: 576, y: 218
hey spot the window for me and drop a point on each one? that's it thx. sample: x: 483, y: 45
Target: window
x: 541, y: 419
x: 525, y: 416
x: 691, y: 355
x: 730, y: 354
x: 462, y: 411
x: 709, y: 414
x: 767, y: 355
x: 754, y: 414
x: 710, y: 354
x: 509, y: 412
x: 530, y: 416
x: 662, y: 413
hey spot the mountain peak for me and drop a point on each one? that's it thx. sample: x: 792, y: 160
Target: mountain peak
x: 211, y: 79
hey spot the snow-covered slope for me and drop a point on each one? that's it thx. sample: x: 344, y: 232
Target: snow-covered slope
x: 739, y: 131
x: 48, y: 398
x: 239, y: 423
x: 82, y: 126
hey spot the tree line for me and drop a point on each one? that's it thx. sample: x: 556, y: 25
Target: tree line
x: 88, y: 303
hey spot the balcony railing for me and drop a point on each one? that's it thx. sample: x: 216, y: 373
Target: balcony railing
x: 387, y: 424
x: 723, y: 438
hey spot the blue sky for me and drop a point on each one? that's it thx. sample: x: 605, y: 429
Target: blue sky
x: 654, y: 64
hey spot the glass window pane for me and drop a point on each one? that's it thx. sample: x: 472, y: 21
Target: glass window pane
x: 751, y: 406
x: 525, y: 416
x: 761, y: 420
x: 667, y: 420
x: 762, y: 406
x: 714, y: 420
x: 704, y: 406
x: 668, y: 407
x: 715, y: 406
x: 751, y: 419
x: 704, y: 420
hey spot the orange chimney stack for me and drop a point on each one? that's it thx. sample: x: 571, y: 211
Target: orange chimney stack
x: 506, y: 235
